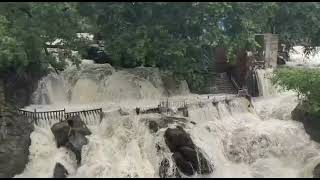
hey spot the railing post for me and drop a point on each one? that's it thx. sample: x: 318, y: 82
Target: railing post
x: 101, y: 115
x: 63, y: 114
x: 35, y: 116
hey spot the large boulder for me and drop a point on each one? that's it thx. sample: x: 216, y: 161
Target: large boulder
x: 298, y: 113
x: 71, y: 134
x: 14, y: 144
x: 153, y: 126
x: 78, y: 125
x: 61, y: 132
x: 75, y: 143
x: 188, y: 158
x: 184, y: 165
x: 311, y: 121
x: 176, y: 138
x: 60, y: 171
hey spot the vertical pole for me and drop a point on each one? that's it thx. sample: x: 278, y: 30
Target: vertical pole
x: 63, y: 114
x: 101, y: 115
x: 167, y: 108
x: 35, y: 116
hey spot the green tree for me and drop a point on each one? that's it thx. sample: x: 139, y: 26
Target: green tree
x: 25, y: 30
x: 306, y: 82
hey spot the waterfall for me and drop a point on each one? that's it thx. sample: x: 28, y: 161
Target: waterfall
x: 240, y: 140
x: 265, y: 86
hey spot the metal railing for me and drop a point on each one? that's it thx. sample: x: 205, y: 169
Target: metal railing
x: 61, y: 115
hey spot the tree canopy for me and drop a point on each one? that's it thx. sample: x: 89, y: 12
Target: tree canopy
x: 178, y: 36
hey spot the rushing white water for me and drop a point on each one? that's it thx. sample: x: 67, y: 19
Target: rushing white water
x: 299, y: 59
x: 265, y: 86
x: 238, y: 139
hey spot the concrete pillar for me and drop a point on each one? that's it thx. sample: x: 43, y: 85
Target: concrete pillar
x: 271, y: 50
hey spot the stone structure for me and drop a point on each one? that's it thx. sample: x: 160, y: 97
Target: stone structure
x: 269, y: 51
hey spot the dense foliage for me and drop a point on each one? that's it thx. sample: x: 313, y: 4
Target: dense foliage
x: 170, y: 35
x: 304, y: 81
x: 25, y: 29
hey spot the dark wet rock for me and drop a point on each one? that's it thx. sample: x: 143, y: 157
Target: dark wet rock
x: 199, y: 163
x: 165, y: 121
x: 75, y: 143
x: 190, y: 154
x: 153, y: 126
x: 176, y: 138
x: 281, y: 61
x: 14, y: 144
x: 60, y: 171
x: 138, y: 111
x: 71, y: 134
x: 316, y: 171
x: 185, y: 112
x: 311, y: 121
x: 184, y: 166
x: 205, y: 167
x: 298, y: 113
x: 61, y: 131
x: 152, y: 110
x: 78, y: 125
x: 188, y: 158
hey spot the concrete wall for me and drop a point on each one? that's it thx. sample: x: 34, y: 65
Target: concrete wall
x: 271, y: 50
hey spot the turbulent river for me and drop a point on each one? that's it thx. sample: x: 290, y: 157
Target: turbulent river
x: 239, y: 139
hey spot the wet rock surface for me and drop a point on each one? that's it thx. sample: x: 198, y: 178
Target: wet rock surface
x: 316, y: 171
x: 60, y: 171
x: 310, y: 121
x: 176, y: 138
x: 14, y: 143
x: 188, y: 158
x: 71, y: 134
x: 155, y: 124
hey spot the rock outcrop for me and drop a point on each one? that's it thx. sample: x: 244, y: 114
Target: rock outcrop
x: 188, y: 158
x: 155, y: 124
x: 316, y: 171
x: 310, y: 121
x: 60, y: 171
x: 14, y: 144
x: 71, y: 134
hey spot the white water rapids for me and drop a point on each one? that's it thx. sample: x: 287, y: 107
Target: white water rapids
x: 240, y: 141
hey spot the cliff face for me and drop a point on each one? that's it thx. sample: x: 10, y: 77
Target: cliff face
x: 14, y: 144
x: 14, y: 138
x: 18, y: 89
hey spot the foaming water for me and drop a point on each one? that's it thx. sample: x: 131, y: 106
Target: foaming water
x: 44, y: 155
x: 299, y: 59
x: 240, y: 139
x: 265, y: 86
x: 241, y: 144
x: 92, y: 83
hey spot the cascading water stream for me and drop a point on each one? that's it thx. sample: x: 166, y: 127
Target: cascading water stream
x: 238, y: 139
